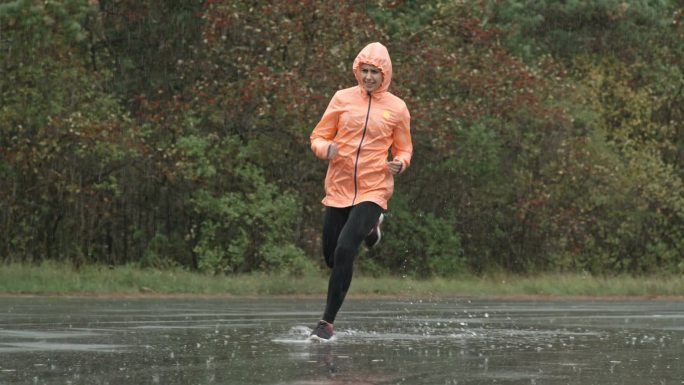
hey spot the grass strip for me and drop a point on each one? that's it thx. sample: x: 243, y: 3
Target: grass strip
x: 52, y: 278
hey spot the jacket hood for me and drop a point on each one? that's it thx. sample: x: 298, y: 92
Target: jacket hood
x: 374, y: 54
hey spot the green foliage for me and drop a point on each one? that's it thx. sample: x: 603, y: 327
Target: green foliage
x: 547, y: 135
x: 247, y: 229
x: 146, y: 40
x: 64, y: 138
x: 628, y: 29
x: 633, y: 205
x: 158, y: 252
x: 606, y: 208
x: 419, y: 243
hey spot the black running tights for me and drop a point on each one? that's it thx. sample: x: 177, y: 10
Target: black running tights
x: 344, y: 229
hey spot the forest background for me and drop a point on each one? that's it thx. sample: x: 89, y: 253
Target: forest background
x: 548, y: 135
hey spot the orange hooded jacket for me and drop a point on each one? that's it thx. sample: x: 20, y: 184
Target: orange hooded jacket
x: 364, y: 127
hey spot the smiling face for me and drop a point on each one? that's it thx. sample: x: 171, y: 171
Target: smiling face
x: 371, y: 77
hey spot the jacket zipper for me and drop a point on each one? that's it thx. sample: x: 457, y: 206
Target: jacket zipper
x: 358, y: 152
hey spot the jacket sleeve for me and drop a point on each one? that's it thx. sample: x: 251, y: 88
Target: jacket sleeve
x: 325, y: 131
x: 402, y: 146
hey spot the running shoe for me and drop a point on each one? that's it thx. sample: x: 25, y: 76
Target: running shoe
x: 324, y: 331
x: 373, y: 238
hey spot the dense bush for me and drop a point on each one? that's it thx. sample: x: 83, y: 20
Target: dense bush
x: 419, y: 243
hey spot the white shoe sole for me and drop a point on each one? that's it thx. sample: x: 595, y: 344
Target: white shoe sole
x: 315, y: 338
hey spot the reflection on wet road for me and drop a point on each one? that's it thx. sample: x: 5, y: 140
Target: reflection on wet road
x: 263, y: 341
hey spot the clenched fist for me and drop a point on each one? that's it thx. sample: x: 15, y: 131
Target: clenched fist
x: 395, y: 166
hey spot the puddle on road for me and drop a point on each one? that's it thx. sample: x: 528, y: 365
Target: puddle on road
x: 61, y: 347
x: 264, y: 341
x: 35, y: 334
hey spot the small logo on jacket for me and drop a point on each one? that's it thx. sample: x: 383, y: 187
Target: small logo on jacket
x: 386, y: 115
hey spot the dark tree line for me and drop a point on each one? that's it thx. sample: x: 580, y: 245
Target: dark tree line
x: 549, y: 136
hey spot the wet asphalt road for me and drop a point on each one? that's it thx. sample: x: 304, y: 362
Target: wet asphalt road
x: 263, y: 341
